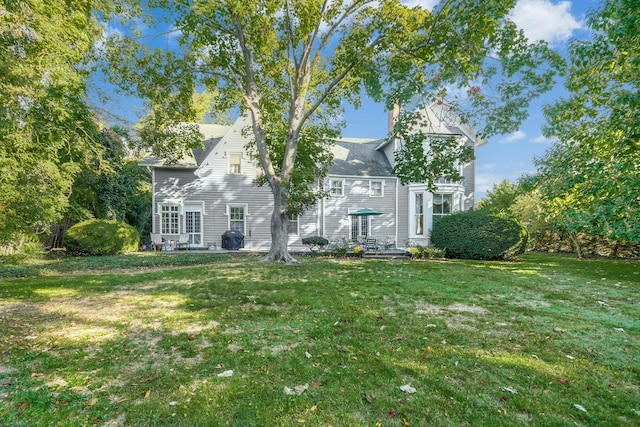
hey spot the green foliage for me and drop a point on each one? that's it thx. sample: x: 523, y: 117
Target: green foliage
x: 315, y: 242
x: 590, y: 178
x: 500, y: 199
x: 475, y: 235
x: 46, y: 127
x: 425, y: 252
x: 101, y: 237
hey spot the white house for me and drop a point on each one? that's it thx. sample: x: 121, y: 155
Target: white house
x: 213, y: 191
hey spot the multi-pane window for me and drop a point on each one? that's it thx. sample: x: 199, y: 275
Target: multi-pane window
x: 376, y: 188
x: 193, y: 224
x: 337, y: 187
x: 442, y: 204
x: 359, y: 227
x: 235, y: 162
x: 419, y: 214
x: 293, y: 225
x: 169, y: 219
x: 236, y: 218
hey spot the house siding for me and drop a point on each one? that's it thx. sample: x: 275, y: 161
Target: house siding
x: 336, y: 219
x: 213, y: 187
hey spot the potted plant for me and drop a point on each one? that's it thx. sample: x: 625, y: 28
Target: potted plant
x: 359, y: 251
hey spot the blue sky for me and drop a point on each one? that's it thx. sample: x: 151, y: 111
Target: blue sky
x: 504, y: 157
x: 507, y: 156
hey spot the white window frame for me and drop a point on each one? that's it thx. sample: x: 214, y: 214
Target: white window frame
x: 245, y: 208
x: 294, y: 220
x: 414, y: 212
x: 173, y: 224
x: 441, y: 195
x: 418, y: 214
x: 360, y: 226
x: 194, y: 207
x: 232, y: 165
x: 376, y: 181
x: 332, y: 188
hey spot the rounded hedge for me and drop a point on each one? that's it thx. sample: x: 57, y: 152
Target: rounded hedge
x: 101, y: 237
x: 476, y: 235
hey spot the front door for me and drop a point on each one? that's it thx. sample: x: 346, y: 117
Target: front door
x: 193, y: 224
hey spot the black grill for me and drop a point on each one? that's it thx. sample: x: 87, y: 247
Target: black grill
x: 232, y: 240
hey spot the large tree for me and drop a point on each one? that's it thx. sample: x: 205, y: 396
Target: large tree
x: 291, y: 66
x: 46, y: 126
x: 590, y: 178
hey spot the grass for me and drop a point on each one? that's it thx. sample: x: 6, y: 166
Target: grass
x: 135, y: 341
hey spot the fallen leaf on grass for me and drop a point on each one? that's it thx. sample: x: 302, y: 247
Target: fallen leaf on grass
x: 562, y: 380
x: 579, y: 407
x: 147, y: 394
x: 619, y: 329
x: 392, y: 413
x: 559, y: 330
x: 228, y: 373
x: 37, y: 374
x: 509, y: 390
x: 405, y: 422
x: 92, y: 401
x: 24, y: 406
x: 314, y: 407
x: 408, y: 389
x: 307, y: 355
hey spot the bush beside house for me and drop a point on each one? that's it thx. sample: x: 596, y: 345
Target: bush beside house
x: 476, y: 235
x: 101, y: 237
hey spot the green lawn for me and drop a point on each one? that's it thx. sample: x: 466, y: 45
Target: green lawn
x: 201, y: 340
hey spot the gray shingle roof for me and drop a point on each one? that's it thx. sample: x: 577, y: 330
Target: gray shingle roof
x: 359, y: 157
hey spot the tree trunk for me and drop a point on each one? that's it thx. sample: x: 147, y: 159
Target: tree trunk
x: 576, y: 243
x: 279, y: 251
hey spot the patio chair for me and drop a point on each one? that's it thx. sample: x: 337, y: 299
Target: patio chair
x: 390, y: 243
x: 383, y: 242
x: 371, y: 243
x: 157, y: 241
x: 183, y: 241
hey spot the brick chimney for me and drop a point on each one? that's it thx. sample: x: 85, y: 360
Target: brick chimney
x: 394, y: 114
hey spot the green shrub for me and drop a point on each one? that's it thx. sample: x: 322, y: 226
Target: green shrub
x: 339, y: 252
x: 424, y: 252
x: 476, y: 235
x: 101, y: 237
x: 315, y: 242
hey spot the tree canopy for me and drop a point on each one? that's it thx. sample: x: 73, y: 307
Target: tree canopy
x: 292, y: 65
x: 591, y: 176
x: 46, y: 126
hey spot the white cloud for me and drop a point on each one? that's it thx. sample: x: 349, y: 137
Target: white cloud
x: 487, y: 176
x: 425, y: 4
x: 541, y: 139
x: 513, y: 137
x: 545, y: 20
